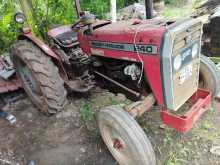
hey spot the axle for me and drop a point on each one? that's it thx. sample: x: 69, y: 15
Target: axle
x: 138, y: 108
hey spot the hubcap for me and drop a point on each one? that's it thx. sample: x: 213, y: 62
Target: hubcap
x: 118, y: 146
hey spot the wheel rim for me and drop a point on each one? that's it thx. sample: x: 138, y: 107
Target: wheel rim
x: 28, y: 79
x: 117, y: 145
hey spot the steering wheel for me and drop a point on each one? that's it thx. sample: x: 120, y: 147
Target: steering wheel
x: 77, y: 24
x: 85, y: 19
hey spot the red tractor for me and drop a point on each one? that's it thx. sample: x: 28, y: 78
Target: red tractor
x: 152, y: 61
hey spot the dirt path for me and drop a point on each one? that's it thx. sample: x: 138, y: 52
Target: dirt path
x: 72, y: 138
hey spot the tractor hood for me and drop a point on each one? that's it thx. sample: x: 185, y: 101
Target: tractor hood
x: 147, y: 32
x: 129, y: 27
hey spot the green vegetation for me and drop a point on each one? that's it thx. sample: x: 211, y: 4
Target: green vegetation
x: 47, y: 14
x: 176, y: 12
x: 86, y: 113
x: 8, y: 28
x: 50, y: 13
x: 179, y: 8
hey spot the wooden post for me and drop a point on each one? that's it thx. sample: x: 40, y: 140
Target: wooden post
x: 113, y: 10
x: 25, y: 7
x: 78, y: 8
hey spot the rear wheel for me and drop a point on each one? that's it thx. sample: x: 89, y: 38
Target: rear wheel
x: 40, y: 77
x: 209, y: 76
x: 124, y: 138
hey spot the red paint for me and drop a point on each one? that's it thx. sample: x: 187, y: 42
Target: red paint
x: 47, y: 50
x: 147, y: 32
x: 200, y: 100
x: 59, y: 30
x: 117, y: 144
x: 44, y: 47
x: 10, y: 85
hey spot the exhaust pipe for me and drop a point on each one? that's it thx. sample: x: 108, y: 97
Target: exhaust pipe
x: 149, y: 9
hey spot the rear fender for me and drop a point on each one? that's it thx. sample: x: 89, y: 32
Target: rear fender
x: 47, y: 50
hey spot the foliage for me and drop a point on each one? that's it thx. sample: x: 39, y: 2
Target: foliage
x: 179, y: 9
x: 101, y: 7
x: 47, y: 14
x: 50, y: 13
x: 179, y: 3
x: 86, y: 113
x: 176, y: 12
x: 8, y: 28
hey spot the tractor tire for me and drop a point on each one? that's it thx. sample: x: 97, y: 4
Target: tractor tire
x: 124, y: 138
x: 209, y: 76
x: 40, y: 77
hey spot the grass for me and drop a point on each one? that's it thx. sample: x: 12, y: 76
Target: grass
x: 177, y: 12
x: 177, y: 9
x: 86, y: 112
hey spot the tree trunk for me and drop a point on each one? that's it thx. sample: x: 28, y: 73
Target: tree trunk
x: 26, y: 9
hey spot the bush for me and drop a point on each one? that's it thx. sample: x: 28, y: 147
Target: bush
x: 174, y: 2
x: 46, y: 14
x: 8, y: 28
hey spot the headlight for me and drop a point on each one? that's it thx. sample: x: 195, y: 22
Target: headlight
x: 177, y: 62
x: 195, y: 50
x: 19, y: 18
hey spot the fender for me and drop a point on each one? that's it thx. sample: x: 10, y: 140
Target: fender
x: 47, y: 50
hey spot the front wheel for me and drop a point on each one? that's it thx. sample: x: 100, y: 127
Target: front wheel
x: 124, y: 138
x: 39, y: 76
x: 209, y: 76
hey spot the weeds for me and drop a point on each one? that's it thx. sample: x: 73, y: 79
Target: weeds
x: 89, y: 119
x: 173, y: 160
x: 86, y: 112
x: 168, y: 139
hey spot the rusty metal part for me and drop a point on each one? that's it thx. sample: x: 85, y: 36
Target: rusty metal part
x: 117, y: 144
x: 118, y: 84
x: 6, y: 67
x: 82, y: 84
x: 138, y: 108
x: 79, y: 86
x: 11, y: 84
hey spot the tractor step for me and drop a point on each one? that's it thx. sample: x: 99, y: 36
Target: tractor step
x: 200, y: 100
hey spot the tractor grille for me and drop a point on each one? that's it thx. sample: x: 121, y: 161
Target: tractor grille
x: 184, y: 41
x: 182, y: 83
x: 192, y: 34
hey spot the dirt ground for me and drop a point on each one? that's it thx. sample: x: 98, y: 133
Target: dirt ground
x: 72, y: 138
